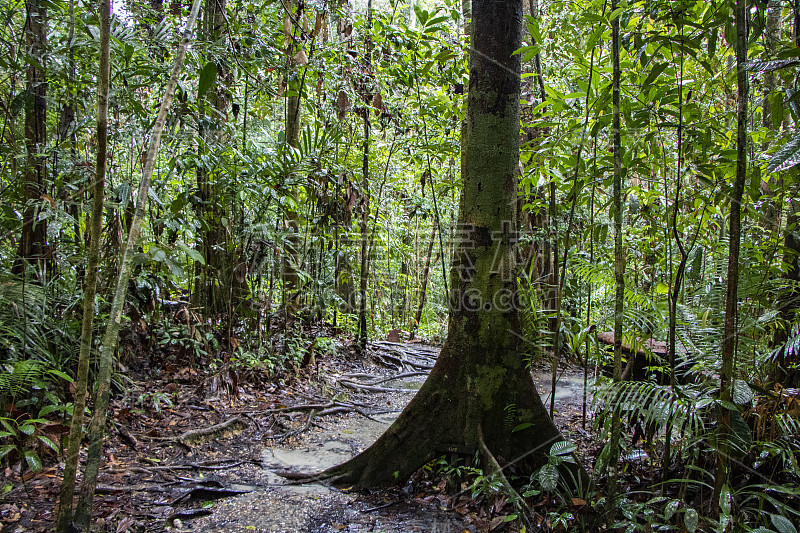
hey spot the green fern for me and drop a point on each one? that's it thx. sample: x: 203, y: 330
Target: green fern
x: 18, y: 377
x: 659, y: 405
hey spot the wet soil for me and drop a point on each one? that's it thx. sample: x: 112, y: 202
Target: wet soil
x: 153, y: 480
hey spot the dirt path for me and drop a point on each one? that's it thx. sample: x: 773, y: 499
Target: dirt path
x: 275, y: 506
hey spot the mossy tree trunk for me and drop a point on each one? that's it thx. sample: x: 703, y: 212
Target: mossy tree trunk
x: 291, y: 259
x: 365, y: 194
x: 210, y: 288
x: 66, y: 494
x: 33, y: 241
x: 619, y: 272
x: 480, y: 384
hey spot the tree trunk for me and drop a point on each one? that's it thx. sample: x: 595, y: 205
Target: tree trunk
x: 678, y: 281
x: 291, y: 258
x: 423, y: 290
x: 734, y: 238
x: 209, y: 289
x: 83, y: 512
x: 788, y: 301
x: 66, y: 495
x: 33, y: 241
x: 362, y: 304
x: 480, y: 383
x: 619, y: 272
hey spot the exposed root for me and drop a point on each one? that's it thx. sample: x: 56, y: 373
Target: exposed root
x: 405, y: 357
x: 195, y: 436
x: 371, y: 388
x: 281, y: 438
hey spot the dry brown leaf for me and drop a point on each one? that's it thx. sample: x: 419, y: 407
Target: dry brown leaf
x: 317, y: 25
x: 377, y: 103
x: 343, y: 104
x: 48, y: 198
x: 300, y: 58
x: 496, y: 522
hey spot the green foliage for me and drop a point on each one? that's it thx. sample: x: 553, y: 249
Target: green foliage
x: 21, y: 439
x: 547, y: 477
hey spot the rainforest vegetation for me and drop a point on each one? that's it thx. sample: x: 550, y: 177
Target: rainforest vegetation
x: 224, y: 194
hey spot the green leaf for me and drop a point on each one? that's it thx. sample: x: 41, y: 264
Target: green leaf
x: 760, y: 65
x: 670, y: 508
x: 562, y: 448
x: 60, y: 374
x: 194, y: 254
x: 787, y: 157
x: 207, y: 77
x: 49, y: 443
x: 520, y: 427
x: 47, y: 409
x: 712, y: 42
x: 742, y: 437
x: 33, y: 460
x: 690, y: 519
x: 5, y: 449
x: 741, y: 393
x: 548, y: 477
x: 782, y: 524
x: 616, y: 13
x: 654, y: 73
x: 725, y: 500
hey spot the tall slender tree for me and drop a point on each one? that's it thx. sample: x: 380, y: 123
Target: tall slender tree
x: 619, y: 264
x: 66, y: 495
x: 211, y: 274
x: 291, y: 258
x: 365, y: 196
x: 83, y: 512
x: 734, y: 237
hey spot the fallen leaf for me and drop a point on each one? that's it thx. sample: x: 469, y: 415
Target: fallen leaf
x: 496, y: 522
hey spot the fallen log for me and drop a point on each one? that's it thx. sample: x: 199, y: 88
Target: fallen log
x: 645, y: 357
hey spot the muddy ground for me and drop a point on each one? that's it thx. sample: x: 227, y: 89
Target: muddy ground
x: 189, y: 454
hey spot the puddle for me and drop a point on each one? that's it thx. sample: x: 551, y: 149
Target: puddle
x: 311, y: 458
x: 569, y: 387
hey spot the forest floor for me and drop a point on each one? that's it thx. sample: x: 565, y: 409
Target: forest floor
x: 196, y: 452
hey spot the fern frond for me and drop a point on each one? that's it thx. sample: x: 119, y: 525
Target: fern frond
x: 18, y: 377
